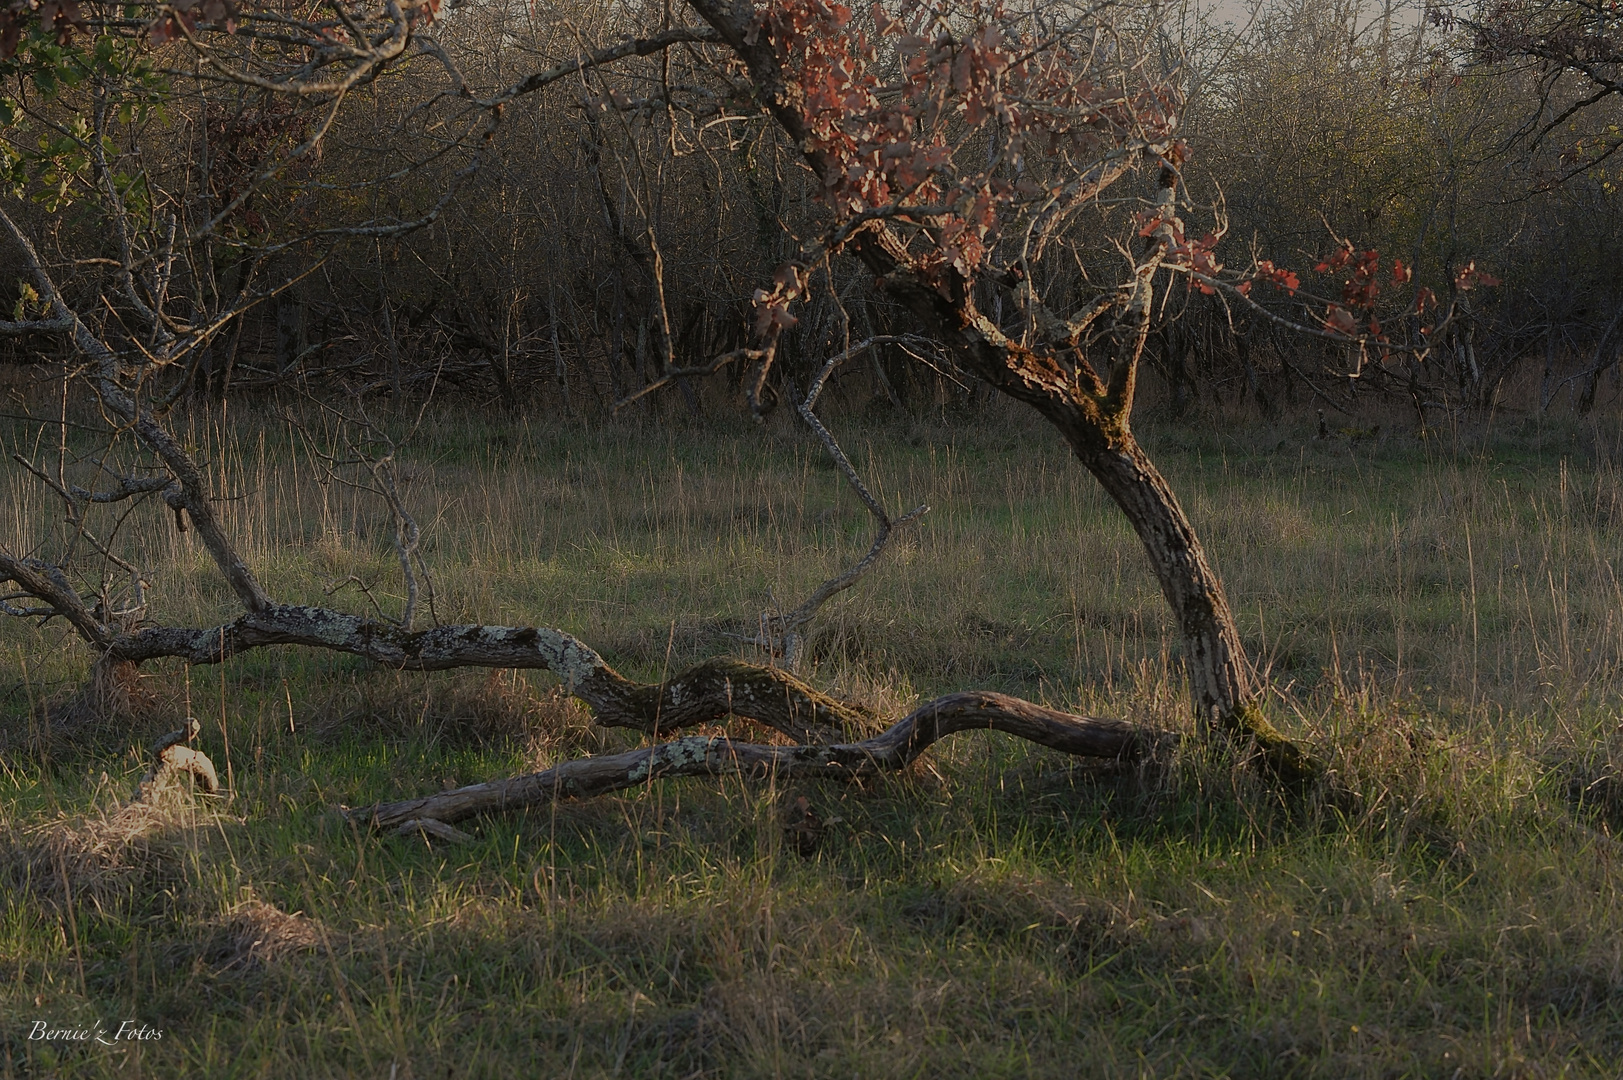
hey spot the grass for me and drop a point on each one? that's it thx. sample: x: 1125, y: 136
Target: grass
x: 1442, y: 618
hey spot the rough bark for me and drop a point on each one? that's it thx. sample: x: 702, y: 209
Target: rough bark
x: 716, y: 756
x: 1219, y: 674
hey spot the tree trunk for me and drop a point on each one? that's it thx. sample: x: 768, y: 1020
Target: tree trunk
x: 1092, y: 415
x: 1602, y: 364
x: 1220, y: 678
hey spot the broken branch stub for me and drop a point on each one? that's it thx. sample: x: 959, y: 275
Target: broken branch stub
x: 172, y: 756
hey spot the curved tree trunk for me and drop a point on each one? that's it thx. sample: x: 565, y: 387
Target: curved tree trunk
x: 1093, y: 415
x: 1600, y: 366
x: 1220, y: 676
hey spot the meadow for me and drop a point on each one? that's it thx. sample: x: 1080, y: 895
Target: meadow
x: 1440, y: 618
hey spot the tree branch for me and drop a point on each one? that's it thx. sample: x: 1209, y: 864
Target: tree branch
x: 890, y: 751
x: 709, y: 692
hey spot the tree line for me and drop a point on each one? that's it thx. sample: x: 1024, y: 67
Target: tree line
x: 613, y: 224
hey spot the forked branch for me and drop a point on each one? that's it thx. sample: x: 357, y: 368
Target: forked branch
x: 783, y: 632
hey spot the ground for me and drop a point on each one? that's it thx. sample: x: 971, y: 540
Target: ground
x: 1440, y: 618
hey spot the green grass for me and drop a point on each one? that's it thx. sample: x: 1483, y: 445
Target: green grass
x: 1442, y: 619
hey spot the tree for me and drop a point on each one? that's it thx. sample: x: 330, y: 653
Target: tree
x: 1573, y: 50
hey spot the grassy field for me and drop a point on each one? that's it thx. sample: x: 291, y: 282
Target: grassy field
x: 1443, y: 619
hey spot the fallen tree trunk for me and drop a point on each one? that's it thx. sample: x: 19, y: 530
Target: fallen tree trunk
x: 709, y: 692
x: 889, y: 751
x: 705, y: 693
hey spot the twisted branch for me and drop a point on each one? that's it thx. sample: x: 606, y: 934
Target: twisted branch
x: 890, y: 751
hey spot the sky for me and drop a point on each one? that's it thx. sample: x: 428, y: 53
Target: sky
x: 1408, y: 11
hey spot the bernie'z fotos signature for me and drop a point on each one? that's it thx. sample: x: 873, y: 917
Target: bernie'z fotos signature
x: 129, y: 1031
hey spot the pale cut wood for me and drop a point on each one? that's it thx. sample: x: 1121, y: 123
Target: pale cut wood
x: 170, y: 756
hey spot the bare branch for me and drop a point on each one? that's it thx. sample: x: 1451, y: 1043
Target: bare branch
x: 673, y: 374
x: 190, y: 492
x: 46, y: 582
x: 709, y: 692
x: 898, y: 746
x: 644, y: 46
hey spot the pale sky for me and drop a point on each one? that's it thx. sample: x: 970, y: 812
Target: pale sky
x: 1408, y: 11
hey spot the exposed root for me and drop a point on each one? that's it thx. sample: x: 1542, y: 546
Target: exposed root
x: 715, y: 689
x: 715, y: 756
x: 710, y: 692
x: 1283, y: 759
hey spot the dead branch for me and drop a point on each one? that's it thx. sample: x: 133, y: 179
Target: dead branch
x: 706, y: 693
x: 48, y: 583
x: 781, y: 633
x: 643, y: 46
x: 716, y: 756
x: 673, y: 374
x: 382, y: 470
x: 429, y: 828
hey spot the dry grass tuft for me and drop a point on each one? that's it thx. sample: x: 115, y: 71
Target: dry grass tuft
x: 558, y: 727
x: 73, y: 859
x: 255, y: 934
x: 114, y: 694
x: 113, y: 700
